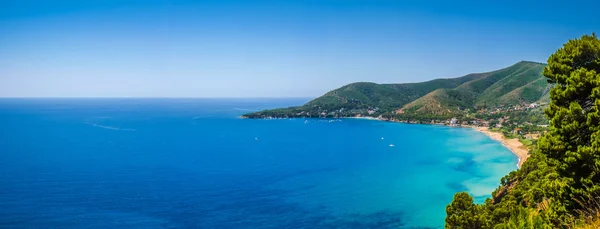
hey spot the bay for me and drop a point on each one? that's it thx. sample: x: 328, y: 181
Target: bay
x: 193, y: 163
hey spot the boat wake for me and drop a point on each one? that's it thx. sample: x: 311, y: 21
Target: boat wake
x: 109, y: 127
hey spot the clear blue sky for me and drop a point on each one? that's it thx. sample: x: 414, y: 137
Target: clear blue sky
x: 285, y: 48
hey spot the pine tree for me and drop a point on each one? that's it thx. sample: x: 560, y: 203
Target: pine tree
x: 563, y: 172
x: 461, y: 213
x: 573, y: 142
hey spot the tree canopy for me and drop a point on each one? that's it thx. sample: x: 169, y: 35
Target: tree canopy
x: 554, y: 186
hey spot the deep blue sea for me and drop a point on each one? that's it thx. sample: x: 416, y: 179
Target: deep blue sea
x: 192, y: 163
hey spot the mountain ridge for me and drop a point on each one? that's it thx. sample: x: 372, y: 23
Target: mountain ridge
x: 522, y: 82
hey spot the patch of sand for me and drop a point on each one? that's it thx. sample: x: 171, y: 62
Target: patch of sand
x: 512, y: 144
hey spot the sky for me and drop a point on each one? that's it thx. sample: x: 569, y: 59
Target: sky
x: 285, y: 48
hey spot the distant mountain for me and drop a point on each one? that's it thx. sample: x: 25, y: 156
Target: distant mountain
x: 522, y: 82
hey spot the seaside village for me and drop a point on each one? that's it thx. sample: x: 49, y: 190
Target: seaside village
x: 524, y: 121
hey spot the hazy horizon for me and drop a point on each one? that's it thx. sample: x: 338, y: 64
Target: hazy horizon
x: 266, y: 49
x: 200, y: 97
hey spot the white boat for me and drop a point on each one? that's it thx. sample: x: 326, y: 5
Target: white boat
x: 391, y: 145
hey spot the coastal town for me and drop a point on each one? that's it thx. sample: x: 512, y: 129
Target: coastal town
x: 520, y: 120
x: 524, y: 120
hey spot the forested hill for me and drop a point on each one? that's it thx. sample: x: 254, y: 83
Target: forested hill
x: 522, y: 82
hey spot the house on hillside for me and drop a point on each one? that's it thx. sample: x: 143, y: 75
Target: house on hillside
x: 485, y: 124
x: 453, y: 121
x: 517, y: 130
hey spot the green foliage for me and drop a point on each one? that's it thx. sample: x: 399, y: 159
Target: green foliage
x: 573, y: 143
x: 384, y: 96
x: 524, y: 218
x: 462, y: 213
x: 442, y: 102
x: 522, y: 82
x: 565, y: 166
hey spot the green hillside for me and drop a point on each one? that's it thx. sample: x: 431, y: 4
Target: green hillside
x: 521, y: 82
x: 441, y: 102
x: 384, y: 96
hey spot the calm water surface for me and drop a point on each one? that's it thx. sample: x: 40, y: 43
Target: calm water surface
x: 191, y: 163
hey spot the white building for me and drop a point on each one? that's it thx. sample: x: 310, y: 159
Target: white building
x: 453, y: 121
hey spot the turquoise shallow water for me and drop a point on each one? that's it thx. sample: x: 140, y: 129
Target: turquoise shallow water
x: 191, y: 163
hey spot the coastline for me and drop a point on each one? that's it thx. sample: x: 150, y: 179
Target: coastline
x: 512, y: 144
x: 365, y: 117
x: 516, y: 147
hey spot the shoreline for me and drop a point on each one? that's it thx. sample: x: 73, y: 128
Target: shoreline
x: 513, y: 144
x: 365, y: 117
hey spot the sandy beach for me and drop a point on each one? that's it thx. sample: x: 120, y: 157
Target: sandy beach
x: 513, y: 144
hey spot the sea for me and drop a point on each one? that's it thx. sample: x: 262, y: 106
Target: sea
x: 194, y: 163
